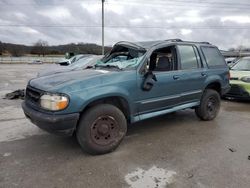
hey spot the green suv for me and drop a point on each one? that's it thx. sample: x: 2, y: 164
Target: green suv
x: 134, y: 82
x: 240, y: 80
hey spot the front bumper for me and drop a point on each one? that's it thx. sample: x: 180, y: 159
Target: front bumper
x: 238, y: 92
x: 64, y: 125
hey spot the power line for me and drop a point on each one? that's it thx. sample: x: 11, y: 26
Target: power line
x: 192, y: 1
x: 161, y: 5
x: 41, y: 3
x: 181, y: 3
x: 130, y: 27
x: 166, y: 4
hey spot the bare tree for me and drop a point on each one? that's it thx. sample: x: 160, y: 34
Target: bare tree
x: 241, y: 48
x: 1, y: 48
x: 15, y: 51
x: 40, y: 47
x: 231, y: 49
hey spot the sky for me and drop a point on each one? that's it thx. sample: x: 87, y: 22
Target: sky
x: 225, y: 23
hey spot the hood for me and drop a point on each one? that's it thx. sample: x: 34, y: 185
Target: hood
x: 54, y: 70
x: 237, y: 75
x: 53, y: 81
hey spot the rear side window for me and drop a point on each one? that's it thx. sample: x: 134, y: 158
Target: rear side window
x: 213, y: 57
x: 187, y: 57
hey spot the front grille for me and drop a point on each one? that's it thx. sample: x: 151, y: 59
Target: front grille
x: 236, y: 90
x: 32, y: 95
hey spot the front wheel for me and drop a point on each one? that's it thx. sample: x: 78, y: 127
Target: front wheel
x: 101, y: 129
x: 209, y: 106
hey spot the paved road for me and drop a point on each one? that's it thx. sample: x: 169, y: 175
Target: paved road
x: 175, y: 150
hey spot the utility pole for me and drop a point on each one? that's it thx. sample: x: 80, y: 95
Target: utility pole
x: 103, y: 27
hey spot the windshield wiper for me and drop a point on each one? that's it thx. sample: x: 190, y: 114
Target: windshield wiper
x: 109, y: 66
x: 89, y: 67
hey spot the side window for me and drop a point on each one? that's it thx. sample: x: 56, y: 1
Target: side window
x: 213, y: 56
x: 163, y: 59
x: 187, y: 57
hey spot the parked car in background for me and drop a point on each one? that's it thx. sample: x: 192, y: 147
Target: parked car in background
x: 80, y: 63
x: 66, y: 62
x: 134, y: 82
x: 231, y: 61
x: 63, y: 62
x: 240, y: 79
x: 36, y: 62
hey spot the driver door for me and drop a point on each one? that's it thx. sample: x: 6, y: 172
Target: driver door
x: 166, y: 92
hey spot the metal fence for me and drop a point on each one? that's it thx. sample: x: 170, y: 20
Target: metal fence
x: 30, y: 59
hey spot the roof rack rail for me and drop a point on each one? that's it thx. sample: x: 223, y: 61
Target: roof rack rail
x: 179, y: 40
x: 174, y: 40
x: 198, y: 42
x: 205, y: 42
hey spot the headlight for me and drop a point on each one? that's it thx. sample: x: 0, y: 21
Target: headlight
x: 245, y: 79
x: 54, y: 102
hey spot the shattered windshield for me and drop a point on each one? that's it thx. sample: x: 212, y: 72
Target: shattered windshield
x: 122, y: 58
x: 85, y: 60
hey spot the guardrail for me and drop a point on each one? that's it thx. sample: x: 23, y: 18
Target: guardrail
x: 234, y: 54
x: 29, y: 59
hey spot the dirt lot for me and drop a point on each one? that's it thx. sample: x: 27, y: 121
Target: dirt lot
x: 175, y: 150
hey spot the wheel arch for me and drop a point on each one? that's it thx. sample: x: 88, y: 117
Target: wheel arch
x: 215, y: 85
x: 116, y: 100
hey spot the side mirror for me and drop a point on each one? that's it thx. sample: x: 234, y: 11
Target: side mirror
x: 149, y: 80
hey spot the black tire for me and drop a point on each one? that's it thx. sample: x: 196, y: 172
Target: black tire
x: 209, y: 106
x: 101, y: 129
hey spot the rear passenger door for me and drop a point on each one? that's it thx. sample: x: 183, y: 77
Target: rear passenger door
x: 216, y: 64
x: 191, y: 73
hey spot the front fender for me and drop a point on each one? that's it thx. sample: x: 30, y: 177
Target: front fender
x: 81, y: 99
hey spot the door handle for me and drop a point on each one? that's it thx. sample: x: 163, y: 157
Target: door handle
x: 176, y: 77
x: 203, y: 74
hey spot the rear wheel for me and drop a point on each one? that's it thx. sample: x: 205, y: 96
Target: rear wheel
x: 101, y: 129
x: 209, y: 105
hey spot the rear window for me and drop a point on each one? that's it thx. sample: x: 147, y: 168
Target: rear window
x: 213, y: 57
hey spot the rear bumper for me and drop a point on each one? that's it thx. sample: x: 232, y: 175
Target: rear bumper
x: 64, y: 125
x: 238, y: 92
